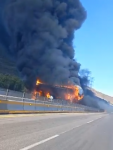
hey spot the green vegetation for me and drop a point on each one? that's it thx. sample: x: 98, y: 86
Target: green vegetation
x: 11, y: 82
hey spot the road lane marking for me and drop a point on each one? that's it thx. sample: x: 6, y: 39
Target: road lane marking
x: 80, y: 125
x: 95, y: 119
x: 101, y: 117
x: 71, y: 129
x: 55, y: 136
x: 91, y: 121
x: 38, y: 143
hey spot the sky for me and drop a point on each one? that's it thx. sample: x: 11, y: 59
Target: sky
x: 94, y: 43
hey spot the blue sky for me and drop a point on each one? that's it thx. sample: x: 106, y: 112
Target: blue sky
x: 94, y: 43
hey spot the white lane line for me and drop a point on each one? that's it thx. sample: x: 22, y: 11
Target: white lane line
x: 90, y: 121
x: 94, y: 120
x: 38, y: 143
x: 101, y: 117
x: 71, y: 129
x: 50, y: 138
x: 80, y: 125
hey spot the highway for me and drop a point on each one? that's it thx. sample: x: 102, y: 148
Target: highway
x: 56, y: 132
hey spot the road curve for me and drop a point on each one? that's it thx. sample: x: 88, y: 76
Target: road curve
x: 56, y: 132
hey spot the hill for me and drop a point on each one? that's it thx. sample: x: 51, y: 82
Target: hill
x: 102, y: 95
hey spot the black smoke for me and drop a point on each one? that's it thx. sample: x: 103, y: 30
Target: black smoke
x: 40, y: 34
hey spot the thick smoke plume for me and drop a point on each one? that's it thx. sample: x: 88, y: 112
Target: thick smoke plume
x: 41, y: 33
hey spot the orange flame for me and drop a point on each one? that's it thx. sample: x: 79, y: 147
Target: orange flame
x: 34, y: 95
x: 38, y: 82
x: 39, y: 93
x: 73, y: 96
x: 48, y: 95
x: 76, y: 93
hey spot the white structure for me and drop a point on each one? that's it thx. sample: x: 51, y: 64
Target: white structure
x: 51, y: 98
x: 81, y: 92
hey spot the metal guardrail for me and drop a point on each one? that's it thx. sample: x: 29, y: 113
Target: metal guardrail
x: 55, y: 102
x: 9, y: 95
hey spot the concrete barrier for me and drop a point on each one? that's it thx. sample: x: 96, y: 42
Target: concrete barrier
x: 11, y: 104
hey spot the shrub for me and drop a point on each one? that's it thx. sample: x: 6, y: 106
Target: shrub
x: 11, y: 82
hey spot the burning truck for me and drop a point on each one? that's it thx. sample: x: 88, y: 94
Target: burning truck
x: 72, y: 93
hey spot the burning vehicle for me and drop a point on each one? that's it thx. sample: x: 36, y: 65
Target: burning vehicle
x: 72, y: 93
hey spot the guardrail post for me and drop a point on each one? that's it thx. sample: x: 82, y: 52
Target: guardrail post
x: 62, y: 104
x: 35, y: 104
x: 7, y: 93
x: 23, y: 99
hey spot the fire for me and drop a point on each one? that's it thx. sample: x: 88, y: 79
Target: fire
x: 39, y: 93
x: 74, y: 95
x: 77, y: 95
x: 48, y: 95
x: 68, y: 96
x: 34, y: 95
x: 38, y: 82
x: 71, y: 92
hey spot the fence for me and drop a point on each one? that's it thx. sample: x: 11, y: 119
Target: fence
x: 18, y: 101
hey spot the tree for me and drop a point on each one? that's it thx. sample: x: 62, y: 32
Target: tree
x: 11, y: 82
x: 85, y: 78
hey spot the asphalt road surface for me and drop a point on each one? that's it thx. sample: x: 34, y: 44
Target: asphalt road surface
x: 56, y: 132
